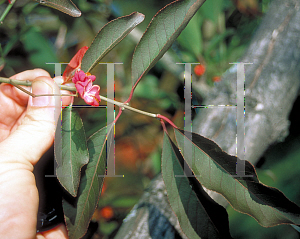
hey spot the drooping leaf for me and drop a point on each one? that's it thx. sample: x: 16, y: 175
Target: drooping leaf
x: 72, y: 155
x: 79, y: 211
x: 215, y: 170
x: 162, y: 31
x: 65, y: 6
x: 199, y: 216
x: 108, y: 37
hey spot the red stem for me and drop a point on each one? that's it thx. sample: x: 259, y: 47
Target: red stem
x: 163, y: 125
x: 118, y: 115
x: 166, y: 119
x: 130, y: 96
x: 158, y: 115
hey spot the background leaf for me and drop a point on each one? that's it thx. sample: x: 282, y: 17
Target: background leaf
x: 41, y: 50
x: 79, y: 211
x: 214, y: 169
x: 190, y: 38
x: 211, y: 9
x: 108, y: 37
x: 65, y: 6
x: 74, y: 151
x: 199, y: 216
x: 162, y: 31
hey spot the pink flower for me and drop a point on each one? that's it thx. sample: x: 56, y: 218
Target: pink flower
x: 83, y: 81
x: 91, y: 95
x: 81, y: 76
x: 86, y: 89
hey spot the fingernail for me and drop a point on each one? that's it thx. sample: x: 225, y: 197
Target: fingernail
x: 58, y: 80
x: 40, y: 88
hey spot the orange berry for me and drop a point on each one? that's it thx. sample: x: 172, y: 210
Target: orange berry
x: 107, y: 212
x: 199, y: 70
x: 216, y: 78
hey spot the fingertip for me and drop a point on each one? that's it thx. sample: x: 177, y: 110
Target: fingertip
x: 67, y: 100
x: 47, y: 79
x: 58, y: 80
x: 41, y: 86
x: 30, y: 74
x: 40, y: 72
x: 58, y: 232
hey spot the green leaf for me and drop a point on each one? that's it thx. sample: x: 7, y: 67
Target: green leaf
x: 108, y: 37
x: 11, y: 43
x: 162, y: 31
x: 74, y: 153
x: 79, y: 211
x: 2, y: 63
x: 215, y: 169
x: 65, y: 6
x: 199, y: 216
x: 212, y: 9
x: 191, y: 38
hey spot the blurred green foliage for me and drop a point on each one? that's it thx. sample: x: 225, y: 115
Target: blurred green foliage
x: 33, y: 35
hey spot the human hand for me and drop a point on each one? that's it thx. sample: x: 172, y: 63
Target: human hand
x: 27, y: 130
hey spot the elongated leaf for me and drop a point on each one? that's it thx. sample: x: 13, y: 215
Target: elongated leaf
x: 199, y: 216
x: 65, y: 6
x: 79, y: 211
x: 73, y: 153
x: 162, y: 31
x: 108, y: 37
x: 215, y: 169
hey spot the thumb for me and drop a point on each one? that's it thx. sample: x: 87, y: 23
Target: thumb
x: 36, y: 133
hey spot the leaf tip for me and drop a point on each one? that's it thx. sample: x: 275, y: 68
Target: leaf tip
x: 77, y: 13
x: 140, y: 17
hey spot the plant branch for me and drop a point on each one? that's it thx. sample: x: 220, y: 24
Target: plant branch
x: 126, y: 106
x: 6, y: 11
x: 17, y: 84
x: 268, y: 106
x: 28, y: 83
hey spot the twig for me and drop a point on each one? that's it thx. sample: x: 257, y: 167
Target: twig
x: 28, y: 83
x: 17, y: 84
x: 34, y: 95
x: 6, y: 11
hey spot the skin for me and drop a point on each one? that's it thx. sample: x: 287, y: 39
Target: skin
x: 27, y: 130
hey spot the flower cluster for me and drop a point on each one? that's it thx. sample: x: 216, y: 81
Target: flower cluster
x: 84, y: 85
x: 83, y: 81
